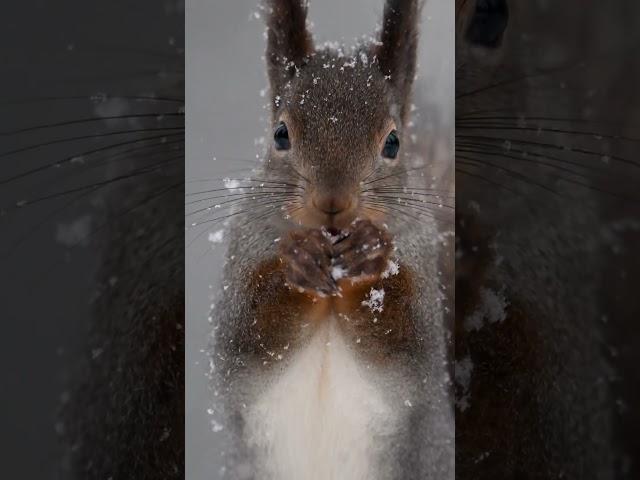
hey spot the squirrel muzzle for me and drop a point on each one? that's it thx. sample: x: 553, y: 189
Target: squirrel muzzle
x: 332, y: 204
x: 330, y: 209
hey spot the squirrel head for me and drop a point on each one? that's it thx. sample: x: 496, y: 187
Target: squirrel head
x: 338, y: 116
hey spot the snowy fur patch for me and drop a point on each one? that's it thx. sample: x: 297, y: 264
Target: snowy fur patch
x: 375, y: 300
x: 392, y: 269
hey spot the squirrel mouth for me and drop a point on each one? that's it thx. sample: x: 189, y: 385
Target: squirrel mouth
x: 333, y: 231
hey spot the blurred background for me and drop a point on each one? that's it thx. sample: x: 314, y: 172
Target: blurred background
x: 227, y: 122
x: 547, y: 232
x: 66, y: 66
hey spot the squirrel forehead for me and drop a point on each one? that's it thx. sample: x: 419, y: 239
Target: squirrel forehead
x: 338, y: 92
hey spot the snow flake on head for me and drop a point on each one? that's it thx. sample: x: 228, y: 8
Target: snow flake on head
x: 349, y: 64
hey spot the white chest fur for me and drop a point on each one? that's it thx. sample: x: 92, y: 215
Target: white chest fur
x: 322, y: 418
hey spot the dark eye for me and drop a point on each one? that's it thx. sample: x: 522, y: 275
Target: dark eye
x: 281, y: 137
x: 391, y: 145
x: 488, y: 23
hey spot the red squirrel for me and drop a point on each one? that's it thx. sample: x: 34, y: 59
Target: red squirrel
x: 330, y: 352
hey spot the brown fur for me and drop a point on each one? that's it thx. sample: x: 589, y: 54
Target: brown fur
x: 279, y: 322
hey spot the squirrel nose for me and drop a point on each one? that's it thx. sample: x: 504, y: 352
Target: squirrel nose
x: 332, y: 204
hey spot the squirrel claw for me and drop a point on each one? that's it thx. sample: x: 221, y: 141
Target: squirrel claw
x: 307, y: 255
x: 365, y: 252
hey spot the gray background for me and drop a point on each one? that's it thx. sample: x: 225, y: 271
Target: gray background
x: 225, y: 118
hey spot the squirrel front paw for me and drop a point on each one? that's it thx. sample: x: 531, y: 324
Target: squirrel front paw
x: 364, y: 253
x: 307, y: 256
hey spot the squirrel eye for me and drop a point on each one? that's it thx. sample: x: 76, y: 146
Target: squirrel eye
x: 488, y: 23
x: 281, y: 137
x: 391, y: 145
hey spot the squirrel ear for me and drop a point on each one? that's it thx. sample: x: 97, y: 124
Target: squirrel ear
x: 399, y: 44
x: 288, y: 40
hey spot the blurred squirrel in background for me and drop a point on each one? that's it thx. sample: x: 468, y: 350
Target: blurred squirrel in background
x: 545, y: 196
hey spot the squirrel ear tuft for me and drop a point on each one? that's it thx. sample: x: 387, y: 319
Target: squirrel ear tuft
x: 288, y: 40
x: 399, y: 44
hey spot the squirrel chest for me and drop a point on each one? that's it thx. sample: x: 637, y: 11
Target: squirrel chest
x: 322, y: 407
x: 322, y: 414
